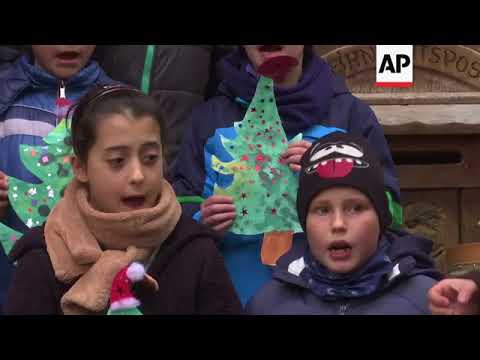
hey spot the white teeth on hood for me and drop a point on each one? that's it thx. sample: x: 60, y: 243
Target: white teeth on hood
x: 313, y: 167
x: 337, y: 160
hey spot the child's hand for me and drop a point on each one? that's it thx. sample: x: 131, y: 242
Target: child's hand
x: 454, y: 297
x: 218, y: 212
x: 3, y: 194
x: 294, y: 153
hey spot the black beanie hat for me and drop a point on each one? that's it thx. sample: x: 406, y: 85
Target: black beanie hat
x: 341, y: 159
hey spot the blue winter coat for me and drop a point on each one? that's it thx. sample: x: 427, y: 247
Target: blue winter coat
x: 27, y: 114
x: 406, y: 291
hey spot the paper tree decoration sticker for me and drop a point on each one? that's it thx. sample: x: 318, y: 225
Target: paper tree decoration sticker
x: 8, y: 237
x: 51, y: 164
x: 132, y: 311
x: 264, y: 189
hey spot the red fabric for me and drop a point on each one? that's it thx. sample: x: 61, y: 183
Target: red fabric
x: 121, y: 287
x: 277, y: 67
x: 63, y: 102
x: 63, y: 105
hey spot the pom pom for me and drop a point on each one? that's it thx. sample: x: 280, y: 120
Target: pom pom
x: 136, y: 272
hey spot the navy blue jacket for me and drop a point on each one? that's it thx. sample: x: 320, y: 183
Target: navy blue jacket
x: 318, y: 105
x: 337, y: 109
x: 405, y: 293
x: 27, y: 114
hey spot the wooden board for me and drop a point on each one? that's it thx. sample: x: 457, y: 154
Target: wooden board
x: 444, y: 203
x: 436, y: 68
x: 470, y: 220
x: 421, y: 98
x: 442, y: 228
x: 429, y: 119
x: 422, y: 161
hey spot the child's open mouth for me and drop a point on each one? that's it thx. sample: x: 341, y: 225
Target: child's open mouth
x: 68, y: 56
x: 340, y: 250
x: 270, y: 48
x: 134, y: 202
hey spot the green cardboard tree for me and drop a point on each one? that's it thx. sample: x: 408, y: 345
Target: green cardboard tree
x: 264, y: 189
x: 51, y: 164
x: 8, y: 237
x: 134, y: 311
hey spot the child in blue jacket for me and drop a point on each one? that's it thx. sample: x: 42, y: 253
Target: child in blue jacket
x: 29, y: 90
x: 311, y: 100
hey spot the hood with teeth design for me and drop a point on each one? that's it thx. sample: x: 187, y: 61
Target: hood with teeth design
x: 341, y: 159
x: 332, y: 160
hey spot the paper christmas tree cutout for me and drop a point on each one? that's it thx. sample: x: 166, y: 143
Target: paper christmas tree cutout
x: 51, y: 164
x: 133, y: 311
x: 264, y: 189
x: 8, y: 237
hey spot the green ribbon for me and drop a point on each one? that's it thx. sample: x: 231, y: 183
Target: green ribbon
x: 147, y: 69
x: 190, y: 199
x: 396, y: 210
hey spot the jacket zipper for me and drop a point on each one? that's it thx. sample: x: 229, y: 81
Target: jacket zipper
x: 343, y: 309
x: 61, y: 93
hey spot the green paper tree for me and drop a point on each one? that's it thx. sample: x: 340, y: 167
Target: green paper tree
x: 51, y: 164
x: 130, y: 312
x: 8, y: 237
x: 264, y: 189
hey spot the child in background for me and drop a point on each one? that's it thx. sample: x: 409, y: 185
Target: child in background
x: 456, y: 296
x: 311, y: 100
x: 30, y: 108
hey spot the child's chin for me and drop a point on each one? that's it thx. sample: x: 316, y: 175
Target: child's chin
x: 341, y: 268
x: 65, y: 73
x: 128, y: 208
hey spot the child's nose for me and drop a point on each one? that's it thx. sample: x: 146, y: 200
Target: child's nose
x: 338, y: 221
x: 137, y: 173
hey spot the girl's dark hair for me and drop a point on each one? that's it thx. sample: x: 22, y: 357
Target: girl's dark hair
x: 102, y: 101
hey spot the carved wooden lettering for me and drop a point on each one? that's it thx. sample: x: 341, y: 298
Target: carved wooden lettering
x: 436, y: 67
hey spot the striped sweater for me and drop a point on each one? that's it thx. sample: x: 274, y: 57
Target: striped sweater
x: 27, y: 114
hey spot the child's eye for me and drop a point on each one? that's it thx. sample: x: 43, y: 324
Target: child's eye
x: 322, y: 210
x: 356, y: 208
x: 116, y: 162
x: 150, y: 159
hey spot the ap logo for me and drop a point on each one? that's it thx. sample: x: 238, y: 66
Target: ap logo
x: 394, y: 66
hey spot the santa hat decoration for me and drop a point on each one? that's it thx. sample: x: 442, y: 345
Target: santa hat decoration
x: 121, y: 295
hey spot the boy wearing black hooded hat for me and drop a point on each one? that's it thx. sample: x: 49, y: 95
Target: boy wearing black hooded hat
x: 349, y: 263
